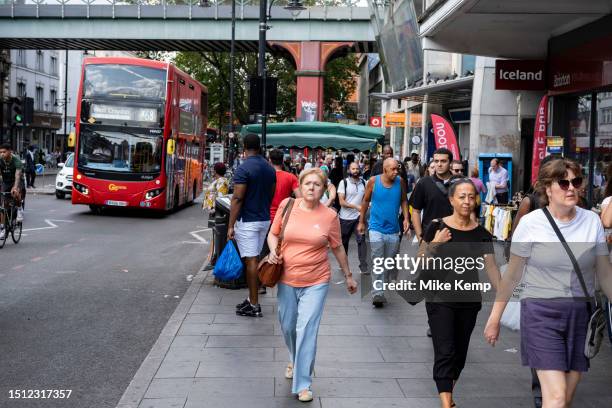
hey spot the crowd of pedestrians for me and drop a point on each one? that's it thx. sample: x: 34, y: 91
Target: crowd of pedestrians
x: 318, y: 207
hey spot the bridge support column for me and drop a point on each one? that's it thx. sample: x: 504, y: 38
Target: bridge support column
x: 310, y: 59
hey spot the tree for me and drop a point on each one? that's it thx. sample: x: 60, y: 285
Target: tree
x: 340, y: 84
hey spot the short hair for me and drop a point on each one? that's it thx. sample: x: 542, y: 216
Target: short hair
x: 252, y: 142
x: 276, y: 157
x: 220, y: 168
x: 444, y: 150
x: 554, y: 170
x: 316, y: 171
x: 6, y: 146
x: 457, y: 162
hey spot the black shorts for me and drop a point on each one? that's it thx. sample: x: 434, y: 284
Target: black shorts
x: 7, y: 187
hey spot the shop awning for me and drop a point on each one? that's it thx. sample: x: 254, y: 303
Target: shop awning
x: 502, y: 28
x: 457, y: 90
x: 323, y: 135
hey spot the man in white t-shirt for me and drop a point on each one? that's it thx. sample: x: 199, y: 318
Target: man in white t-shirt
x: 350, y: 192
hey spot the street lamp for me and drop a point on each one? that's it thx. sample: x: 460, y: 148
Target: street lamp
x: 294, y: 5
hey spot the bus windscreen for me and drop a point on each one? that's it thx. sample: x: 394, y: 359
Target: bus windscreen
x: 119, y: 151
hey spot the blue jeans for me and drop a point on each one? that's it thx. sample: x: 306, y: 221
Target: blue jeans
x: 299, y: 312
x: 382, y: 246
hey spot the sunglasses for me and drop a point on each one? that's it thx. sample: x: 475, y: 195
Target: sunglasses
x: 564, y: 184
x: 457, y: 170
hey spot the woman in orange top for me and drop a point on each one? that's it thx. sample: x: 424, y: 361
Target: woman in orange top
x: 302, y: 290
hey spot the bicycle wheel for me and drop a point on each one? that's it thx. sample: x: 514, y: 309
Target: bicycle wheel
x: 3, y: 239
x: 16, y: 231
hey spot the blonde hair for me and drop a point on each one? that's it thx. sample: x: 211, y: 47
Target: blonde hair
x: 316, y: 171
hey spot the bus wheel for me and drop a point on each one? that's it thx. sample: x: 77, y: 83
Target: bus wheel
x: 176, y: 199
x: 95, y: 209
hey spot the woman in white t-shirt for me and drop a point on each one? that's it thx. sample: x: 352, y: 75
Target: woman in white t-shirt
x: 553, y: 333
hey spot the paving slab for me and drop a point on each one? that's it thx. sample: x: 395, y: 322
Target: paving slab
x: 366, y: 357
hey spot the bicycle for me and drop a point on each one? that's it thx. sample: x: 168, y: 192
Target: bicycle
x: 11, y: 225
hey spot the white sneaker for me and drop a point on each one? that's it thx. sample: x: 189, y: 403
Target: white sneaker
x: 19, y: 215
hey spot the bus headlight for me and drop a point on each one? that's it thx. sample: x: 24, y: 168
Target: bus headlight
x: 80, y: 188
x: 153, y: 193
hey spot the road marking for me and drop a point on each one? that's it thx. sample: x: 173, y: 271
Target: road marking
x: 51, y: 224
x: 55, y: 251
x: 200, y: 240
x: 38, y: 258
x: 17, y: 267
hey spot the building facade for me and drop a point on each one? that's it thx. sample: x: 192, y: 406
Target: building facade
x: 35, y: 74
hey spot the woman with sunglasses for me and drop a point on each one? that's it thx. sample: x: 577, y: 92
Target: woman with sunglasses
x: 553, y: 322
x: 452, y: 311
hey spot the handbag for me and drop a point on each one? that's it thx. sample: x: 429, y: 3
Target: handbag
x: 268, y: 273
x: 597, y: 321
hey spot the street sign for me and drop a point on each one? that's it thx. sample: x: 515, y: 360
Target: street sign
x: 216, y: 153
x: 395, y: 119
x: 375, y: 121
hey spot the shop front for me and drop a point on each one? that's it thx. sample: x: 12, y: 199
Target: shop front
x: 580, y: 85
x: 43, y: 131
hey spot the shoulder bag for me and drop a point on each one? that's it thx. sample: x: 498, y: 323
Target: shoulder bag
x: 269, y: 274
x: 597, y: 320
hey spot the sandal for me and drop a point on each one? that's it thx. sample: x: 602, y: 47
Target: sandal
x: 289, y: 371
x: 305, y: 395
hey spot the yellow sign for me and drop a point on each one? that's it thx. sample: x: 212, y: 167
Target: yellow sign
x: 114, y: 187
x: 415, y: 120
x: 554, y: 141
x: 395, y: 119
x: 170, y: 147
x: 71, y: 140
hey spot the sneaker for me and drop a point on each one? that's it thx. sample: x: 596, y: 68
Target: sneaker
x: 1, y: 233
x: 378, y: 301
x: 250, y: 311
x: 20, y: 215
x: 243, y: 304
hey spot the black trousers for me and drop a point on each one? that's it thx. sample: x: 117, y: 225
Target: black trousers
x: 30, y: 177
x: 451, y: 328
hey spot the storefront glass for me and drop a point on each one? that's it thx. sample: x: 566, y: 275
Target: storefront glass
x: 572, y: 121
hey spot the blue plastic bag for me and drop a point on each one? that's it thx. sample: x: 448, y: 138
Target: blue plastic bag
x: 229, y: 265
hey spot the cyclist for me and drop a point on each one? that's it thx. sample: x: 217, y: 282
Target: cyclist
x: 11, y: 170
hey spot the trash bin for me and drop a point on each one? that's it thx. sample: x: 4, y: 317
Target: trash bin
x: 221, y: 219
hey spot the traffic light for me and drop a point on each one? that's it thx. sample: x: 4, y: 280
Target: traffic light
x: 16, y: 112
x: 28, y: 111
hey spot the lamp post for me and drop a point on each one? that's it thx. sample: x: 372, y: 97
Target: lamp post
x: 264, y: 11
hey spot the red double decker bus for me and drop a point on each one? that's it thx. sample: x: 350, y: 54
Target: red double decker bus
x: 140, y: 135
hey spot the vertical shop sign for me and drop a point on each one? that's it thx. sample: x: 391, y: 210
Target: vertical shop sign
x: 539, y: 138
x: 444, y: 135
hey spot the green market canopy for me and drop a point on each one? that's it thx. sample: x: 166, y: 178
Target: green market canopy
x: 324, y: 135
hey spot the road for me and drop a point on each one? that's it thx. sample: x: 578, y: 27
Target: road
x: 84, y: 297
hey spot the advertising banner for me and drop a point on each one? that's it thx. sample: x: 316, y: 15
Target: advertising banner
x: 395, y: 119
x: 444, y: 135
x: 539, y: 138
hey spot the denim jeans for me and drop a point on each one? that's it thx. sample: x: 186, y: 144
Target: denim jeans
x: 382, y: 246
x: 299, y: 312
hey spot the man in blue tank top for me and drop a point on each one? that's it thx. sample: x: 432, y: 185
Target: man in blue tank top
x: 384, y: 194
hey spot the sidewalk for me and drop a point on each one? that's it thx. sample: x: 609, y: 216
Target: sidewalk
x: 45, y: 183
x: 206, y: 356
